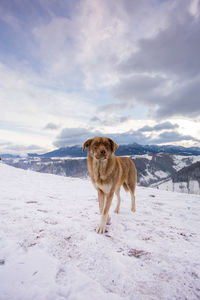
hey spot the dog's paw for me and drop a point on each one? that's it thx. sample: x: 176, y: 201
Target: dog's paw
x: 101, y: 229
x: 108, y: 222
x: 116, y: 210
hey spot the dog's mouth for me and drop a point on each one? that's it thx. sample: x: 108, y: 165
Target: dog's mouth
x: 101, y: 155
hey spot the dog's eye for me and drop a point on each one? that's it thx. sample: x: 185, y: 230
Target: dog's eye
x: 95, y: 146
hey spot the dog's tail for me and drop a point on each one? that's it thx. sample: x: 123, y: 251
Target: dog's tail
x: 125, y: 186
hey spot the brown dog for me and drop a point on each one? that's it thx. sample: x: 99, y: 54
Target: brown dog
x: 108, y: 172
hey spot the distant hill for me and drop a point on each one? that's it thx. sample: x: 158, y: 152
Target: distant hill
x: 73, y: 151
x: 132, y: 149
x: 186, y: 174
x: 6, y: 155
x: 186, y: 180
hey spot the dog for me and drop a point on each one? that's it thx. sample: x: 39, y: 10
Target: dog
x: 108, y: 173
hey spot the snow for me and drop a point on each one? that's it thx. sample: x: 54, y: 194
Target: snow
x: 49, y: 249
x: 192, y: 187
x: 161, y: 174
x: 145, y: 179
x: 147, y: 156
x: 183, y: 161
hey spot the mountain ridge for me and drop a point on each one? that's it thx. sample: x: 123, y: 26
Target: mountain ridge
x: 129, y: 149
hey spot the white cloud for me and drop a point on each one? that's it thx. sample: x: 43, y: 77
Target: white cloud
x: 160, y: 134
x: 21, y: 142
x: 51, y: 126
x: 194, y: 8
x: 24, y: 99
x: 164, y: 73
x: 97, y: 36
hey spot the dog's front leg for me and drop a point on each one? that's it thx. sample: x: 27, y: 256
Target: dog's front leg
x: 101, y: 199
x: 104, y: 216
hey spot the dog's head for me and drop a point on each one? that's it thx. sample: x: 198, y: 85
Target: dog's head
x: 100, y: 147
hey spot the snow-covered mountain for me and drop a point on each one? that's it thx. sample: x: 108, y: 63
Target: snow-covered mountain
x: 130, y: 149
x: 49, y: 249
x: 123, y: 150
x: 152, y: 168
x: 186, y: 180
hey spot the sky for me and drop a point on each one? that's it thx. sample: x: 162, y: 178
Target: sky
x: 71, y: 70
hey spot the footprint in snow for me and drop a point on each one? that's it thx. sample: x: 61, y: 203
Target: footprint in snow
x: 137, y: 253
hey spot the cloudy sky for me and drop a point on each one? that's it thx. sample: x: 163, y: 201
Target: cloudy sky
x: 73, y: 69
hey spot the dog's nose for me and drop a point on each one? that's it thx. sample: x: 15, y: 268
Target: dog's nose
x: 103, y: 152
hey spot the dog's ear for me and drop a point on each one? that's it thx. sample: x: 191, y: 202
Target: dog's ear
x: 114, y: 145
x: 86, y: 144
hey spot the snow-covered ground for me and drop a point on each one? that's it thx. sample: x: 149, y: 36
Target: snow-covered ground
x: 192, y: 187
x: 49, y: 249
x: 184, y: 161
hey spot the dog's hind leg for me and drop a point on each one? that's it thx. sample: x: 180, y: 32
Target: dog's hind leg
x: 132, y: 181
x: 132, y: 191
x: 133, y: 208
x: 118, y: 201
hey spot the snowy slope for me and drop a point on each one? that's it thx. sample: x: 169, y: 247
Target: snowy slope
x: 186, y: 180
x: 49, y: 249
x: 190, y: 187
x: 183, y: 161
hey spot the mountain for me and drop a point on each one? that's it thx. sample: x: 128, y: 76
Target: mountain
x: 73, y: 151
x: 69, y: 167
x: 151, y: 168
x: 49, y: 246
x: 6, y: 155
x: 153, y: 149
x: 132, y: 149
x: 186, y: 180
x: 191, y: 172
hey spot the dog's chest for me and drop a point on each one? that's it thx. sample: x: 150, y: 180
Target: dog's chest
x: 103, y: 187
x: 99, y: 171
x: 100, y: 177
